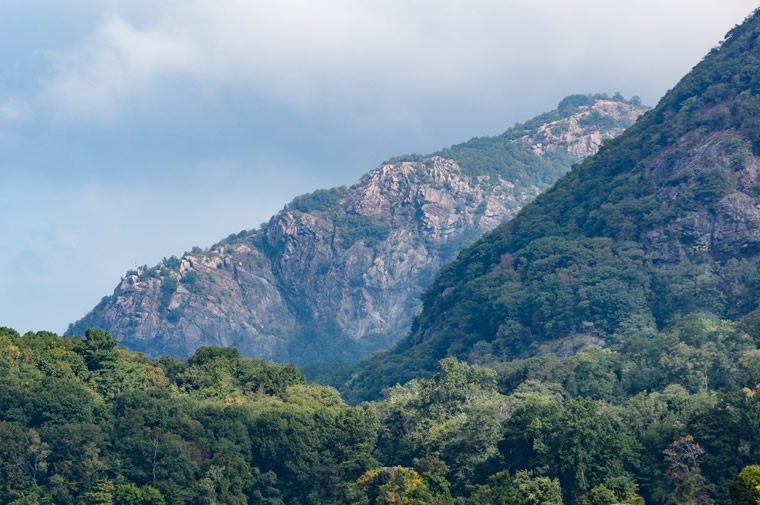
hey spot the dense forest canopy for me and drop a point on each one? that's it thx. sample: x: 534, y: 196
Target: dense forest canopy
x: 673, y: 416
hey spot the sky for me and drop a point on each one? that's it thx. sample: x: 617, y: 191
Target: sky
x: 131, y: 130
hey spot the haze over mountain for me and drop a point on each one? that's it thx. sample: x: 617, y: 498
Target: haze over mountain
x: 338, y: 273
x: 115, y: 115
x: 663, y: 221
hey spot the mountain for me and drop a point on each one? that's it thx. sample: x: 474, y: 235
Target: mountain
x: 662, y: 222
x: 338, y: 273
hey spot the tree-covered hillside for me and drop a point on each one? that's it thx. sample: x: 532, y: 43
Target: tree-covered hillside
x: 663, y: 221
x: 671, y: 417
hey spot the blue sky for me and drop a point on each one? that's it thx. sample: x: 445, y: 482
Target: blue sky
x: 132, y: 130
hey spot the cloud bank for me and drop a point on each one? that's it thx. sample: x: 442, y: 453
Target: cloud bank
x: 311, y: 55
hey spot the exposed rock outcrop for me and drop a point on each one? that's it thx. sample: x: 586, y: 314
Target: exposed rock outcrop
x: 338, y: 273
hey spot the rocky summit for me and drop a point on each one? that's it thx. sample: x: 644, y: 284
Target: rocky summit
x: 338, y: 273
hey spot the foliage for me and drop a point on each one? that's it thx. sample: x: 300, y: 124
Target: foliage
x: 190, y: 278
x: 320, y: 200
x: 523, y: 489
x: 745, y: 487
x: 455, y: 416
x: 393, y: 486
x: 172, y: 263
x: 84, y: 421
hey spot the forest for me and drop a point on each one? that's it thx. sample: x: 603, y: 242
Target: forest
x: 670, y: 417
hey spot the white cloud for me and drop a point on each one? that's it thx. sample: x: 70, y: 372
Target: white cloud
x: 306, y: 53
x: 115, y: 63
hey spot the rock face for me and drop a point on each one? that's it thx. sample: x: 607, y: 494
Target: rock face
x: 579, y: 133
x: 663, y: 221
x: 338, y: 273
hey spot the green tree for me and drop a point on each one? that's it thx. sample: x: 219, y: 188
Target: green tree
x: 602, y: 495
x: 531, y: 434
x: 13, y: 475
x: 523, y: 489
x: 538, y: 490
x: 433, y: 472
x: 744, y: 488
x: 593, y: 443
x: 129, y: 494
x: 500, y: 490
x: 100, y: 494
x: 394, y: 486
x: 98, y: 349
x: 599, y: 495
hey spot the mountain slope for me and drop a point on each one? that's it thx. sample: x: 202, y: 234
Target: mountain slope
x: 338, y: 272
x: 664, y: 220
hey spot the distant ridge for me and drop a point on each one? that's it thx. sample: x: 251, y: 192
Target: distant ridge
x: 337, y: 273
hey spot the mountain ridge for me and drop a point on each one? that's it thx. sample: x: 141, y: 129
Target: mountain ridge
x: 663, y: 221
x: 338, y: 272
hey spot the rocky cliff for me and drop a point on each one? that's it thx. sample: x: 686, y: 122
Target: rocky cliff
x: 338, y: 273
